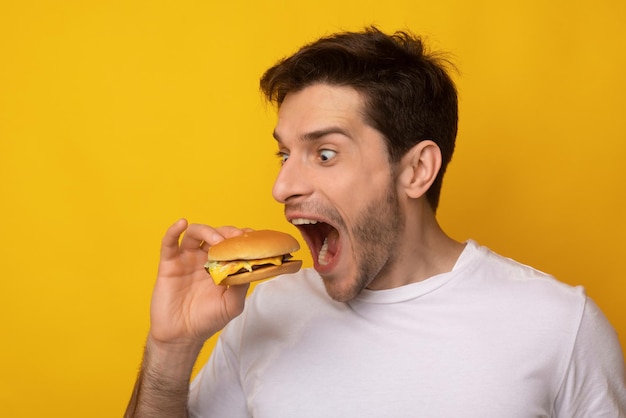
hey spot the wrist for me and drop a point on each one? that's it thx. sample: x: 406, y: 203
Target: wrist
x: 172, y: 362
x: 162, y: 388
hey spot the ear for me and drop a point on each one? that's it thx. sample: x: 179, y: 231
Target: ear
x: 419, y: 168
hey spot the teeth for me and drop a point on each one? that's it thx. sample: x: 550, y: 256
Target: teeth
x: 303, y: 221
x: 321, y: 257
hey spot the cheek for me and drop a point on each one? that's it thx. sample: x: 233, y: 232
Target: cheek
x: 352, y: 189
x: 360, y: 198
x: 369, y: 184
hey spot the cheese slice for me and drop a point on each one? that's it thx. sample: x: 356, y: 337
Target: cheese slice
x: 219, y: 270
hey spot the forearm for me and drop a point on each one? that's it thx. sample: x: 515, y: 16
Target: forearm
x: 162, y: 387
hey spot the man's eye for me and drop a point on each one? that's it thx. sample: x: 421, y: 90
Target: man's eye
x: 327, y: 154
x: 282, y: 156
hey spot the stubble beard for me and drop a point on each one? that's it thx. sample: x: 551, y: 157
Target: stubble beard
x: 374, y: 240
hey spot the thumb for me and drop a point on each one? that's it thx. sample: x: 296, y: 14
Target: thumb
x: 234, y: 299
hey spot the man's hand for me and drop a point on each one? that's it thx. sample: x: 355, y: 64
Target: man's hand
x: 187, y: 306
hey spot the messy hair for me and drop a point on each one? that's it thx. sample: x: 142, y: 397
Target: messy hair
x: 408, y: 94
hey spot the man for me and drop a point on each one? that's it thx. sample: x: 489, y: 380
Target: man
x: 396, y: 319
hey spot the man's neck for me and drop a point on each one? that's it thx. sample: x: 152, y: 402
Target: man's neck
x: 423, y: 251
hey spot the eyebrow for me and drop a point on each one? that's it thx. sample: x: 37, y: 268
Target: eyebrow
x: 317, y: 134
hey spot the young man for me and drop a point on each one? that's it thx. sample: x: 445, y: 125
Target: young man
x: 396, y: 319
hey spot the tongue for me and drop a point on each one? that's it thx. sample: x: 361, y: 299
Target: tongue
x: 329, y: 248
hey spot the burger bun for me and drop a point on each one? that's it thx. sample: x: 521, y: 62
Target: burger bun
x: 252, y: 245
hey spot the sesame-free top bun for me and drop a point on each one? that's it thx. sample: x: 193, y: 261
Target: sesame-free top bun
x: 254, y: 245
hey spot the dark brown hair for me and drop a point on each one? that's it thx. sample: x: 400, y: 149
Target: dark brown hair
x: 408, y: 94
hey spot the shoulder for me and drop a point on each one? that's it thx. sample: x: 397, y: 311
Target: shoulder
x: 505, y: 274
x: 532, y: 302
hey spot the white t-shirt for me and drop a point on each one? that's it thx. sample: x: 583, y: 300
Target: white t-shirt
x: 491, y: 338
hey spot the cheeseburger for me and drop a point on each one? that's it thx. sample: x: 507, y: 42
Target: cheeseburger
x: 255, y: 255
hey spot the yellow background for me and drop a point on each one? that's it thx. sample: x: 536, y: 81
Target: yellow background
x: 119, y: 117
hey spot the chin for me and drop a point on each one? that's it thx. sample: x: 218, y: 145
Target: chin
x: 342, y: 290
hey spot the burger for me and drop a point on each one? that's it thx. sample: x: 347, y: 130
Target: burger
x: 255, y: 255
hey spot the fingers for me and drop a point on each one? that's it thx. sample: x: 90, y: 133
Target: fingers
x: 169, y: 244
x: 231, y: 231
x: 195, y: 236
x: 204, y: 236
x: 234, y: 298
x: 224, y: 233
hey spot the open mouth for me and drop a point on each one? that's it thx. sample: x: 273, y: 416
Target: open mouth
x: 322, y: 239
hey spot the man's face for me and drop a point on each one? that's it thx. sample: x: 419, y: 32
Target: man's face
x: 337, y: 186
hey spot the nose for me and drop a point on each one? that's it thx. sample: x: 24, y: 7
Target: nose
x: 292, y: 182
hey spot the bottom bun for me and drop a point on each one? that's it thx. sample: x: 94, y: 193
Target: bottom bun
x: 262, y: 273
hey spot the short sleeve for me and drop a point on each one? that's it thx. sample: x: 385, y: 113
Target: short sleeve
x: 594, y: 385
